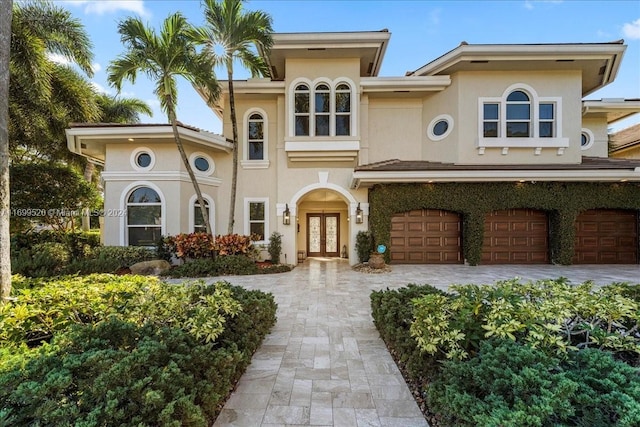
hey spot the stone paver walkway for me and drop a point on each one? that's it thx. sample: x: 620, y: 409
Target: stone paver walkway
x: 324, y: 363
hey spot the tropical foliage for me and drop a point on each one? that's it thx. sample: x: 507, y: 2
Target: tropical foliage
x: 163, y: 57
x: 229, y: 35
x: 131, y: 351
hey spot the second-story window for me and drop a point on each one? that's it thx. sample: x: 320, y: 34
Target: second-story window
x: 256, y: 137
x: 302, y: 104
x: 547, y: 120
x: 343, y: 109
x: 322, y: 98
x: 518, y: 115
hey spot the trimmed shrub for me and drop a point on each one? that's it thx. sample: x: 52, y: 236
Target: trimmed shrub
x: 127, y: 351
x: 364, y: 245
x: 42, y: 260
x: 108, y: 259
x: 275, y: 247
x: 220, y: 266
x: 393, y: 314
x: 512, y: 384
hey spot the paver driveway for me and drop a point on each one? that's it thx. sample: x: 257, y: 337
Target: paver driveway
x: 324, y: 363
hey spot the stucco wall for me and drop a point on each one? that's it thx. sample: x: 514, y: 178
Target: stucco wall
x: 394, y: 129
x: 597, y: 126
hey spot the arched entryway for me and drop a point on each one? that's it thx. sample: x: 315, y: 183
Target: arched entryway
x: 323, y: 224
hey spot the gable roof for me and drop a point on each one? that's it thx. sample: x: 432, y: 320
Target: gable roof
x: 599, y: 62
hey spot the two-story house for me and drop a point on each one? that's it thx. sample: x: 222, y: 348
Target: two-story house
x: 487, y: 154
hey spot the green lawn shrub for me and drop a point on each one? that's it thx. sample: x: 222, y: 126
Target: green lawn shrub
x: 41, y: 260
x: 511, y: 384
x: 125, y: 350
x: 78, y: 243
x: 364, y: 245
x: 108, y: 259
x: 549, y: 314
x: 392, y: 313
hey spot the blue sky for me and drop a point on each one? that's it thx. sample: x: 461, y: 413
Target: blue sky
x: 420, y: 32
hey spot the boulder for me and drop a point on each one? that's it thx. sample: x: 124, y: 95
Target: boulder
x: 150, y: 268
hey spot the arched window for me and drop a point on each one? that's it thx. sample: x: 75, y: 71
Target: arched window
x: 255, y: 140
x: 302, y: 112
x: 518, y: 115
x: 322, y: 101
x: 343, y: 109
x: 144, y: 217
x: 198, y: 221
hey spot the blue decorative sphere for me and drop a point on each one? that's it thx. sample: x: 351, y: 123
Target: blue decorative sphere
x: 381, y: 249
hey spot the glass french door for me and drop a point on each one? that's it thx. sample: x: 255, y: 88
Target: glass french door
x: 323, y: 234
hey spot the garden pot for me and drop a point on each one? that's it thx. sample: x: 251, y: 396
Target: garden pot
x: 376, y: 260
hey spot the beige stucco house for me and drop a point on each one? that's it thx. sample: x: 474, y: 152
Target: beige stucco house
x: 325, y: 137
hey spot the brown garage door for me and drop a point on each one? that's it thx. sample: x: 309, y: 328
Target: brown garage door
x: 426, y: 236
x: 606, y: 236
x: 516, y: 236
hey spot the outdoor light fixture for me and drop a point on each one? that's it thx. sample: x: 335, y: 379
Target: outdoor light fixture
x: 358, y: 214
x: 286, y: 215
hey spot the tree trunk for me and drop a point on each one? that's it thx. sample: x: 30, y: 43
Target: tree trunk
x: 6, y: 9
x: 88, y: 176
x: 234, y: 126
x: 203, y: 208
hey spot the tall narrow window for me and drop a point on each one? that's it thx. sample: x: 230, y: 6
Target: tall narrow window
x: 144, y: 217
x: 343, y: 109
x: 322, y: 101
x: 302, y: 110
x: 198, y: 220
x: 256, y: 137
x: 491, y: 120
x: 257, y: 219
x: 546, y: 120
x: 518, y: 115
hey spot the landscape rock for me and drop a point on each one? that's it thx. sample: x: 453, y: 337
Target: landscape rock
x: 150, y: 268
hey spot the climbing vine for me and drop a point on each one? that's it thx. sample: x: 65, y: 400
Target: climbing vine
x: 563, y: 201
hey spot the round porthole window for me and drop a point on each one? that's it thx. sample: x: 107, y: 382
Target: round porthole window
x: 586, y: 139
x: 142, y: 159
x: 440, y: 127
x: 202, y: 163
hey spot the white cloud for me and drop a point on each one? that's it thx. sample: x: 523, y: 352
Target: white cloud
x: 631, y: 30
x: 100, y: 89
x: 58, y: 59
x: 96, y: 67
x: 528, y: 5
x: 110, y: 6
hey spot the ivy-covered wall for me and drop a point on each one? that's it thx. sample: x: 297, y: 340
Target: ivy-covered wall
x: 562, y: 201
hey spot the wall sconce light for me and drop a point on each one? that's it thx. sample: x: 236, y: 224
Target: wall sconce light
x: 359, y: 214
x: 286, y: 215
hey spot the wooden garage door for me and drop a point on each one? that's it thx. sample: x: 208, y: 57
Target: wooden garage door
x: 426, y: 236
x: 516, y: 236
x: 606, y: 236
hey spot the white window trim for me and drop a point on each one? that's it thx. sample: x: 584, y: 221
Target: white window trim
x: 212, y: 212
x: 445, y: 117
x: 124, y: 196
x: 255, y: 164
x: 134, y: 155
x: 192, y: 162
x: 591, y: 139
x: 535, y: 141
x: 247, y: 227
x: 332, y: 110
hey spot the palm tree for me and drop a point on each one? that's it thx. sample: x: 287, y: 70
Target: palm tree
x: 45, y: 96
x: 163, y: 58
x: 233, y: 31
x: 6, y: 8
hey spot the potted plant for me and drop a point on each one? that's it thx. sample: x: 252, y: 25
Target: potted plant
x: 376, y: 259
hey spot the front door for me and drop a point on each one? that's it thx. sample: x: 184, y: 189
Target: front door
x: 323, y: 234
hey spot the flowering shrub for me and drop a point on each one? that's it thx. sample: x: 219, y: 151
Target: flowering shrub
x: 191, y: 246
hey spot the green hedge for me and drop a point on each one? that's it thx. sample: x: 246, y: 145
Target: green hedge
x: 509, y: 384
x: 130, y: 350
x: 224, y: 265
x: 562, y: 200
